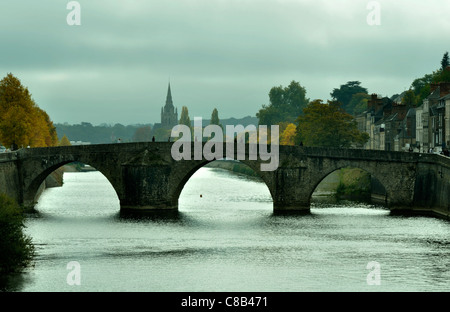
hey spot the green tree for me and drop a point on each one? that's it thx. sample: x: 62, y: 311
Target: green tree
x: 445, y: 61
x: 359, y: 103
x: 215, y: 120
x: 345, y: 93
x: 442, y: 75
x: 410, y: 99
x: 214, y: 117
x: 162, y: 134
x: 286, y: 104
x: 328, y: 125
x: 421, y: 87
x: 17, y: 250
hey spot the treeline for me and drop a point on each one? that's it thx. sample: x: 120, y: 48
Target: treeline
x: 86, y: 132
x: 315, y: 123
x: 100, y: 134
x: 22, y: 122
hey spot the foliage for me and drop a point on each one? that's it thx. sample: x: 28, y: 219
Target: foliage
x: 410, y: 99
x: 184, y: 118
x: 16, y: 248
x: 353, y: 183
x: 215, y: 120
x: 143, y: 134
x: 421, y: 87
x: 286, y: 104
x: 345, y: 94
x: 442, y: 75
x: 87, y: 132
x: 287, y: 137
x: 162, y: 135
x: 358, y: 103
x: 22, y: 122
x: 445, y: 61
x: 64, y: 141
x: 328, y: 125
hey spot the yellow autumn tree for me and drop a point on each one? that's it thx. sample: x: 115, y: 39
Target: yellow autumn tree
x: 22, y: 122
x: 288, y: 135
x: 64, y: 141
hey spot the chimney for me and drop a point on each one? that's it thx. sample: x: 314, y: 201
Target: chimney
x: 372, y: 102
x: 444, y: 88
x: 433, y: 87
x: 400, y: 109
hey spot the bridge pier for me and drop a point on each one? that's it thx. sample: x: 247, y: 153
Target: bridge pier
x: 146, y: 185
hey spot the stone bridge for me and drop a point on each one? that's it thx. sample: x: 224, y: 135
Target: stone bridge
x: 145, y: 176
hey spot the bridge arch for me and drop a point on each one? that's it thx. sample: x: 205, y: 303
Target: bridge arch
x: 372, y: 177
x: 378, y: 171
x: 183, y: 176
x: 44, y: 167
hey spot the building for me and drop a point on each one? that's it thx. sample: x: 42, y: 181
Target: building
x: 371, y: 121
x: 169, y: 114
x: 433, y: 119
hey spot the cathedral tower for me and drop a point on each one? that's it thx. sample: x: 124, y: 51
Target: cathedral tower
x: 169, y: 114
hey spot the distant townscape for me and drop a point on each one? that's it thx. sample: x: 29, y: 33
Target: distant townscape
x: 393, y: 125
x: 416, y: 120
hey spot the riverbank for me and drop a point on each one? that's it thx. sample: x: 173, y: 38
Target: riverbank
x: 346, y: 183
x: 234, y: 166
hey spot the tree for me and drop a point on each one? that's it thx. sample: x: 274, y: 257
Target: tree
x: 410, y: 99
x: 214, y: 117
x: 442, y: 75
x: 286, y: 104
x: 22, y: 122
x: 328, y: 125
x: 358, y: 103
x: 215, y: 120
x: 162, y: 134
x: 143, y: 134
x: 445, y: 61
x: 64, y: 141
x: 421, y: 87
x: 345, y: 93
x: 184, y: 118
x: 17, y: 249
x: 288, y: 135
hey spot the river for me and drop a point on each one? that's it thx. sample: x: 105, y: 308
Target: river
x: 226, y: 237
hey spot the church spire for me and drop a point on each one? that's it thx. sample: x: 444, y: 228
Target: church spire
x: 169, y: 97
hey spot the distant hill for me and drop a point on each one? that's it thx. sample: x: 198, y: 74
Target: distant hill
x: 86, y: 132
x: 245, y: 121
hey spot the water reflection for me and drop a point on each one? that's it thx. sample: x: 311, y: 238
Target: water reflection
x: 243, y: 242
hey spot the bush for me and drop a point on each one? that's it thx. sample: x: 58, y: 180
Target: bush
x: 16, y: 249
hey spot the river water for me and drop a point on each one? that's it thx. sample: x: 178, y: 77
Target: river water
x: 227, y: 239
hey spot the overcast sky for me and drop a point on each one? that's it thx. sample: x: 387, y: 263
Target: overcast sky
x: 224, y: 54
